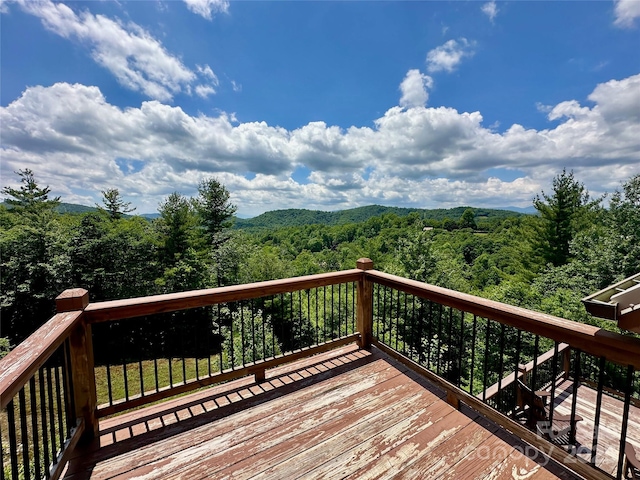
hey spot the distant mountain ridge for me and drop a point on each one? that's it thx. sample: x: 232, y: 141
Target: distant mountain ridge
x: 79, y: 209
x: 294, y: 217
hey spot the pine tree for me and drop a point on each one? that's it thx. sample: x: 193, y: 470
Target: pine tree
x: 29, y: 197
x: 564, y: 213
x: 114, y: 204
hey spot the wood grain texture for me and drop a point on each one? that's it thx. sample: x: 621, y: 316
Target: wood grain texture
x: 135, y: 307
x: 356, y: 415
x: 24, y: 361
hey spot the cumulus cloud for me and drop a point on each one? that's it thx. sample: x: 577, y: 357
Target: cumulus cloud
x: 490, y: 9
x: 448, y: 56
x: 626, y: 11
x: 136, y: 59
x: 207, y: 8
x: 414, y: 89
x: 75, y: 140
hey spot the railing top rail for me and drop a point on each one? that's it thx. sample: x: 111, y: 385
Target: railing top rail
x: 596, y: 341
x: 136, y: 307
x: 23, y: 361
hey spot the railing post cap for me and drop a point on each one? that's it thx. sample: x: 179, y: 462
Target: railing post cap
x: 72, y: 299
x: 364, y: 264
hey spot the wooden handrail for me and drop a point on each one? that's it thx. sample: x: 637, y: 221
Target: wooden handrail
x: 137, y: 307
x: 493, y: 390
x: 595, y: 341
x: 24, y: 361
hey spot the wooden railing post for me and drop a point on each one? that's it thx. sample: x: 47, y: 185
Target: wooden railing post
x: 365, y: 303
x: 81, y: 361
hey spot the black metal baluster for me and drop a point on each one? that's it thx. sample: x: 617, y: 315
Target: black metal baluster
x: 208, y: 347
x: 339, y: 310
x: 253, y: 331
x: 308, y: 292
x: 439, y: 352
x: 377, y: 323
x: 574, y: 402
x: 13, y: 440
x: 450, y: 348
x: 473, y: 353
x: 397, y: 318
x: 324, y: 312
x: 462, y: 350
x: 404, y: 327
x: 554, y: 375
x: 183, y: 349
x: 61, y: 429
x: 487, y: 340
x: 500, y: 366
x: 300, y: 336
x: 420, y: 349
x: 384, y: 317
x: 264, y: 329
x: 69, y: 396
x: 353, y: 307
x: 596, y: 421
x: 155, y: 373
x: 221, y: 337
x: 516, y: 371
x: 242, y: 333
x: 625, y: 420
x: 24, y: 435
x: 109, y: 386
x: 34, y: 427
x: 412, y: 343
x: 141, y: 373
x: 43, y: 421
x: 333, y: 323
x: 317, y: 325
x: 273, y: 331
x: 429, y: 334
x: 52, y: 426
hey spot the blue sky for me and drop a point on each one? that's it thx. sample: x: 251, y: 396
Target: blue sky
x: 321, y: 105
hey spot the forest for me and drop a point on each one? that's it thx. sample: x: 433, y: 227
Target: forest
x: 573, y: 246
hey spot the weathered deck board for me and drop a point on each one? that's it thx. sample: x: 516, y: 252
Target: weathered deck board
x: 340, y: 414
x: 610, y: 423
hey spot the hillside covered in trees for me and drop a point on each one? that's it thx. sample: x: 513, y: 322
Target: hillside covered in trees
x: 546, y: 262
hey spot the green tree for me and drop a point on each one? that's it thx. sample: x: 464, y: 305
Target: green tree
x: 564, y: 213
x: 30, y: 197
x: 467, y: 220
x: 215, y: 210
x: 115, y: 206
x: 176, y: 224
x: 32, y: 256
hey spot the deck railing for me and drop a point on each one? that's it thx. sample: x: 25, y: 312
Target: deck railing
x: 97, y: 359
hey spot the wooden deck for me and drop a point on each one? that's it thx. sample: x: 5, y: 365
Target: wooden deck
x: 610, y: 424
x: 347, y: 413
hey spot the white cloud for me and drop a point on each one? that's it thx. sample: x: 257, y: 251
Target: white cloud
x: 206, y: 8
x: 626, y: 11
x: 448, y: 56
x: 208, y: 73
x: 414, y: 89
x: 237, y: 87
x: 490, y: 9
x: 203, y: 91
x: 72, y: 138
x: 136, y: 59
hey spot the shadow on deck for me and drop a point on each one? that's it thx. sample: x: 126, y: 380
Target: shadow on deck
x: 347, y: 413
